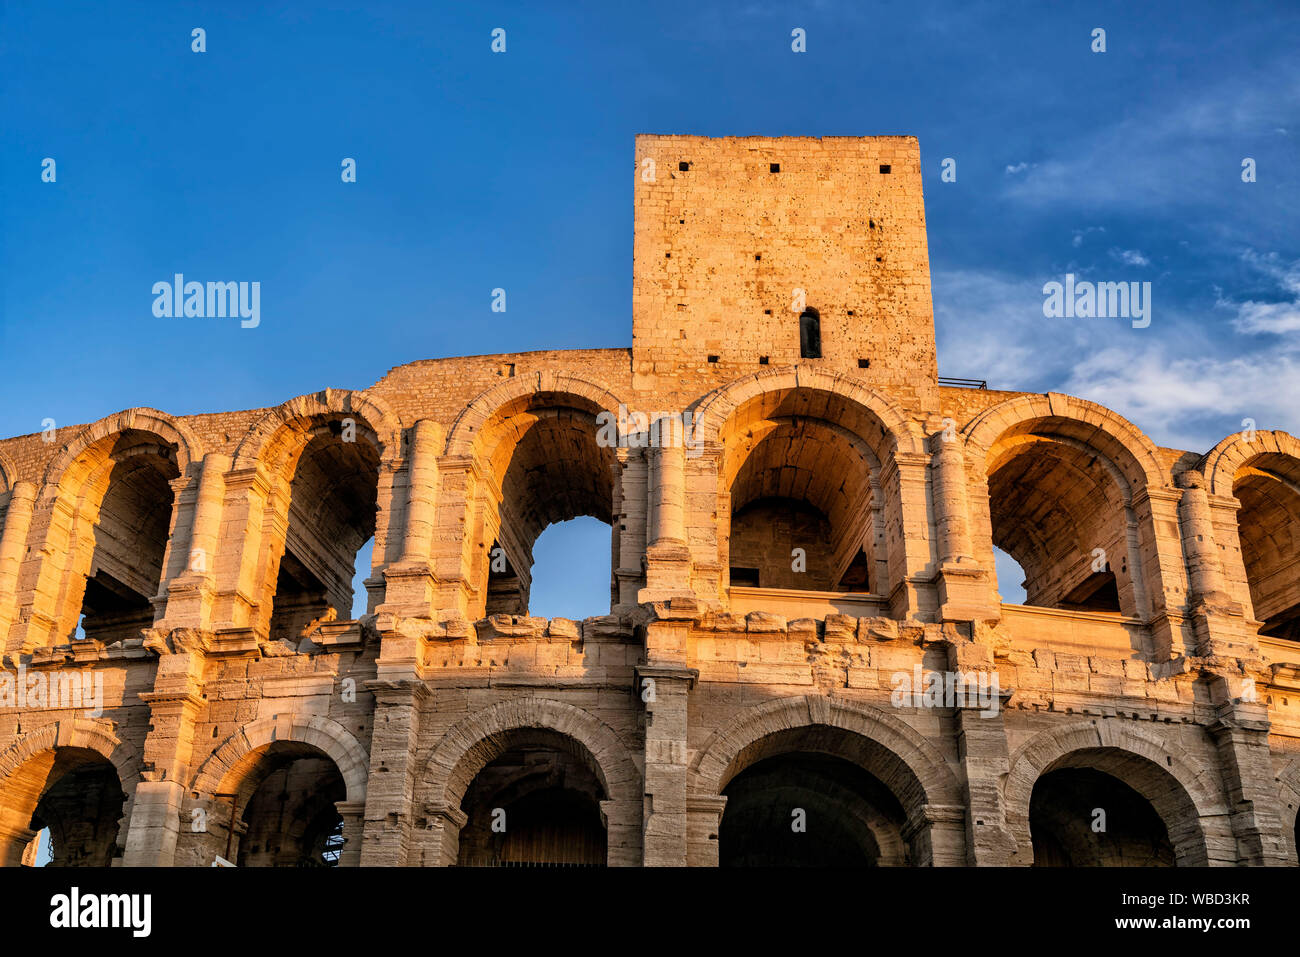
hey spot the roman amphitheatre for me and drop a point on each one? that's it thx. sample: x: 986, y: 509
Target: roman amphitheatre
x: 830, y: 524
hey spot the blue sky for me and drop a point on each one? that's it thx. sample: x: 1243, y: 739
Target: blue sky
x: 479, y: 170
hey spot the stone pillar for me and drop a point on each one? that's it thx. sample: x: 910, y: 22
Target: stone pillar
x: 935, y: 834
x: 394, y: 772
x: 622, y: 842
x: 13, y: 546
x: 963, y: 586
x: 1241, y: 736
x: 703, y: 819
x: 190, y: 594
x: 664, y: 690
x: 982, y: 748
x: 353, y: 814
x: 632, y: 476
x: 1204, y: 571
x: 175, y: 705
x: 949, y: 489
x: 903, y: 478
x: 668, y: 560
x: 409, y: 581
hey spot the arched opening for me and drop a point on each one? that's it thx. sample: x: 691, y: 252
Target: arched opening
x: 537, y: 804
x: 71, y: 795
x: 810, y: 334
x: 333, y: 491
x: 551, y: 469
x: 286, y: 809
x: 571, y: 570
x: 1011, y: 578
x: 820, y: 796
x: 123, y: 499
x: 1059, y: 509
x: 1268, y: 526
x: 802, y: 474
x: 809, y: 810
x: 1083, y: 817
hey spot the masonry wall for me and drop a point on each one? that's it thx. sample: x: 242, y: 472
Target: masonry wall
x: 675, y: 700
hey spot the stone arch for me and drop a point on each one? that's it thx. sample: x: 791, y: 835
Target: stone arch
x: 825, y: 451
x: 1186, y: 795
x: 25, y: 781
x: 714, y: 410
x: 497, y: 402
x: 474, y: 742
x: 908, y: 765
x: 1092, y: 450
x: 127, y: 466
x: 533, y: 445
x: 1097, y: 427
x: 1221, y: 464
x: 86, y: 733
x: 329, y: 493
x: 173, y: 432
x: 241, y: 750
x: 1255, y: 506
x: 283, y: 431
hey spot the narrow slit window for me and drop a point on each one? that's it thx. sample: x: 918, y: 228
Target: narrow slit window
x: 810, y: 335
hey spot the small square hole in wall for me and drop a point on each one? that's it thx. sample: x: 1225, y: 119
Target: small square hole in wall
x: 767, y: 312
x: 670, y: 256
x: 871, y: 224
x: 684, y: 166
x: 884, y: 167
x: 713, y: 358
x: 757, y: 256
x: 878, y: 259
x: 762, y: 360
x: 850, y: 312
x: 774, y: 168
x: 864, y: 363
x: 681, y: 221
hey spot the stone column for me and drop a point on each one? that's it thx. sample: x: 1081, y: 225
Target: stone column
x: 13, y: 546
x: 175, y: 705
x: 1241, y: 736
x: 668, y: 560
x: 982, y: 748
x: 1204, y: 571
x: 632, y: 476
x: 14, y: 838
x: 703, y: 818
x: 963, y: 586
x: 410, y: 580
x: 903, y: 477
x: 190, y: 594
x: 394, y: 772
x: 353, y: 814
x: 664, y: 690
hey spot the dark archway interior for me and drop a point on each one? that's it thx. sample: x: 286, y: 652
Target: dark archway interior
x: 1052, y: 505
x: 534, y: 806
x: 1268, y: 525
x: 290, y: 819
x: 131, y: 530
x: 809, y: 810
x: 82, y: 805
x: 332, y: 512
x: 1081, y: 817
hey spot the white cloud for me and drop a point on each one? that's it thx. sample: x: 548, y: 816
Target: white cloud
x: 1130, y: 257
x: 1254, y: 317
x: 1018, y: 168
